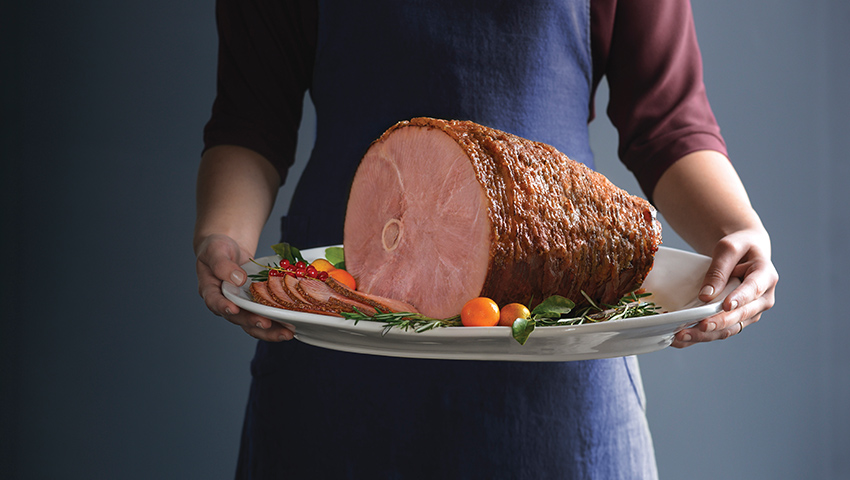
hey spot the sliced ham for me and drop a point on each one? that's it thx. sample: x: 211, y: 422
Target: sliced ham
x: 320, y: 293
x: 444, y: 211
x: 280, y: 292
x: 291, y: 284
x: 379, y: 303
x: 328, y: 297
x: 260, y: 292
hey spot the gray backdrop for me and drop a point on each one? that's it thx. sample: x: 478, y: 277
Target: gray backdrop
x: 112, y: 367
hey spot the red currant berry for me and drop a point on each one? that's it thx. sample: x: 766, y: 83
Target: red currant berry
x: 300, y: 264
x: 311, y: 271
x: 276, y: 273
x: 284, y: 264
x: 322, y: 276
x: 301, y: 272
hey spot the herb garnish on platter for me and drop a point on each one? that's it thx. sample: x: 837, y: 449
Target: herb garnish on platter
x: 554, y: 311
x: 557, y: 310
x: 404, y: 320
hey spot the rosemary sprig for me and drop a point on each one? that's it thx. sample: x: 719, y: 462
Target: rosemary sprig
x: 403, y: 320
x: 629, y: 306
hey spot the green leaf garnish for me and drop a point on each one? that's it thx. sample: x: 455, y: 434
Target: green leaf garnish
x: 336, y: 256
x: 288, y: 252
x: 555, y: 306
x: 521, y: 329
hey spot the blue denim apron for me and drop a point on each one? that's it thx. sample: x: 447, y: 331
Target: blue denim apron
x: 523, y: 67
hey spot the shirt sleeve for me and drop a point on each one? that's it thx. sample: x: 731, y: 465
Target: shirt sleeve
x: 648, y: 51
x: 265, y: 62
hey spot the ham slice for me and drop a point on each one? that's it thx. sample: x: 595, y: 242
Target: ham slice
x: 291, y: 284
x: 376, y: 302
x: 260, y: 292
x: 444, y: 211
x: 328, y: 297
x: 320, y: 293
x: 280, y: 292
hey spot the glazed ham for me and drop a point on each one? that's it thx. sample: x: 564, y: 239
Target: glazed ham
x: 325, y: 297
x: 444, y: 211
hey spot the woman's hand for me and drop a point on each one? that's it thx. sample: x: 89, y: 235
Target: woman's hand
x: 703, y: 199
x: 744, y: 255
x: 218, y: 260
x: 235, y: 194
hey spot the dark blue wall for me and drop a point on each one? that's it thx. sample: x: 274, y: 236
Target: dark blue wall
x: 112, y: 368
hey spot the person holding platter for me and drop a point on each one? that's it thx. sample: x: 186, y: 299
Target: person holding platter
x: 528, y: 68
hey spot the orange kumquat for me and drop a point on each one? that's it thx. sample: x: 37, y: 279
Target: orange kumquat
x: 480, y: 312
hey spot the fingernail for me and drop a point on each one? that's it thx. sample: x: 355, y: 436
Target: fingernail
x: 282, y: 338
x: 227, y: 311
x: 237, y: 277
x: 734, y: 305
x: 260, y: 325
x: 686, y: 337
x: 710, y: 326
x: 707, y: 290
